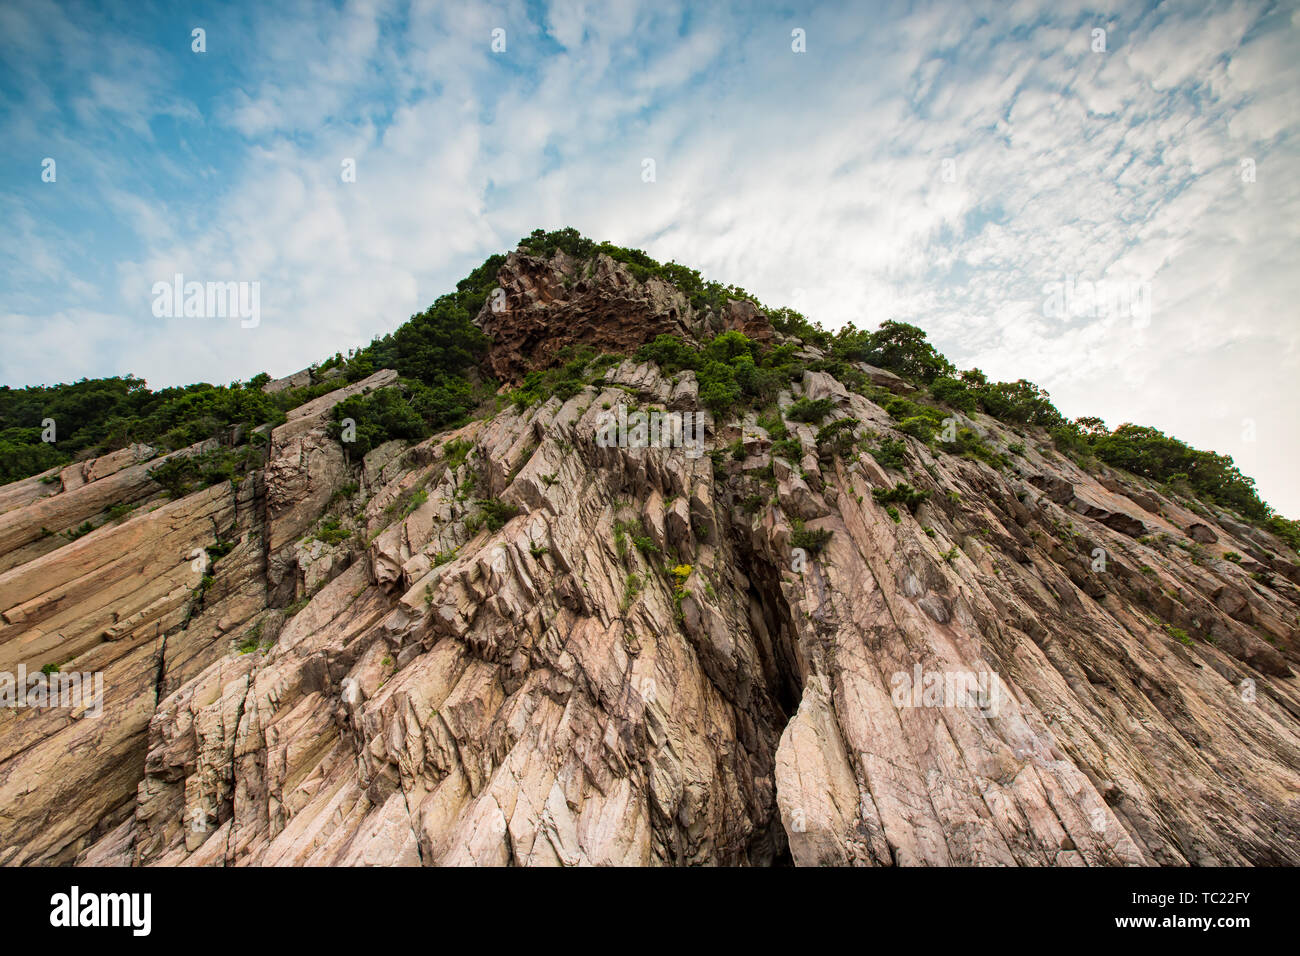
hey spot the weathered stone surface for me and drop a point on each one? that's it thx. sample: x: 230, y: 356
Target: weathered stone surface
x: 741, y: 315
x: 1054, y: 486
x: 28, y: 532
x: 549, y: 304
x: 299, y: 379
x: 627, y: 662
x: 885, y: 378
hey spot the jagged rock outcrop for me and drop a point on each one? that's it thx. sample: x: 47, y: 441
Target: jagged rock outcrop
x: 141, y: 600
x: 546, y: 304
x: 634, y: 655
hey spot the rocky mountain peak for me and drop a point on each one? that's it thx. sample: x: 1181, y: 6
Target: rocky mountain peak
x: 547, y: 303
x: 882, y: 614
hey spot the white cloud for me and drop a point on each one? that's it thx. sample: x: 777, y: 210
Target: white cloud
x: 811, y: 179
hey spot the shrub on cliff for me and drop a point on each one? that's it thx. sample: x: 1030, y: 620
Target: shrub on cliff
x: 186, y: 473
x: 809, y: 410
x: 731, y: 369
x: 896, y: 346
x: 1152, y: 454
x: 955, y: 393
x: 903, y: 494
x: 837, y: 438
x: 1020, y: 401
x: 382, y: 416
x: 810, y: 540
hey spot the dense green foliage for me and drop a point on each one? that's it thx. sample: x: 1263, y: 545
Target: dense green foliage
x: 185, y: 473
x: 808, y: 539
x: 496, y: 513
x: 890, y: 453
x: 1152, y: 454
x: 837, y: 439
x: 439, y: 344
x: 897, y: 346
x: 387, y: 414
x: 1142, y: 450
x: 731, y: 369
x: 433, y: 352
x: 107, y: 413
x: 809, y: 410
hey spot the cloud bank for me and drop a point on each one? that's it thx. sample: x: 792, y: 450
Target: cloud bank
x: 942, y: 166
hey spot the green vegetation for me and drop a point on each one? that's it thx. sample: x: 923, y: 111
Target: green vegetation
x: 330, y: 532
x: 837, y: 439
x: 1286, y: 529
x: 810, y: 540
x: 94, y: 416
x: 902, y: 409
x: 890, y: 453
x: 634, y: 531
x: 384, y: 415
x: 970, y: 445
x: 631, y: 588
x: 407, y: 502
x: 80, y: 531
x: 439, y: 344
x: 732, y: 369
x: 579, y: 367
x: 118, y: 512
x: 1151, y: 454
x: 457, y: 451
x: 903, y: 494
x: 219, y: 550
x: 251, y: 639
x: 297, y: 606
x: 896, y: 346
x: 791, y: 449
x: 772, y: 423
x: 918, y: 426
x: 182, y: 474
x: 808, y: 410
x: 955, y: 393
x: 345, y: 491
x: 701, y: 293
x: 496, y: 513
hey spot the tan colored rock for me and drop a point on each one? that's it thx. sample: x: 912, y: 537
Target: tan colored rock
x: 1025, y: 671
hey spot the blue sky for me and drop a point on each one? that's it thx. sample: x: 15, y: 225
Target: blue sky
x: 814, y: 179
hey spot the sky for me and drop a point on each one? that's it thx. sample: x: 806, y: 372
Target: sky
x: 1104, y: 199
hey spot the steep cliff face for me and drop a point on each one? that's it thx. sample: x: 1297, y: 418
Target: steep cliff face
x: 538, y: 647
